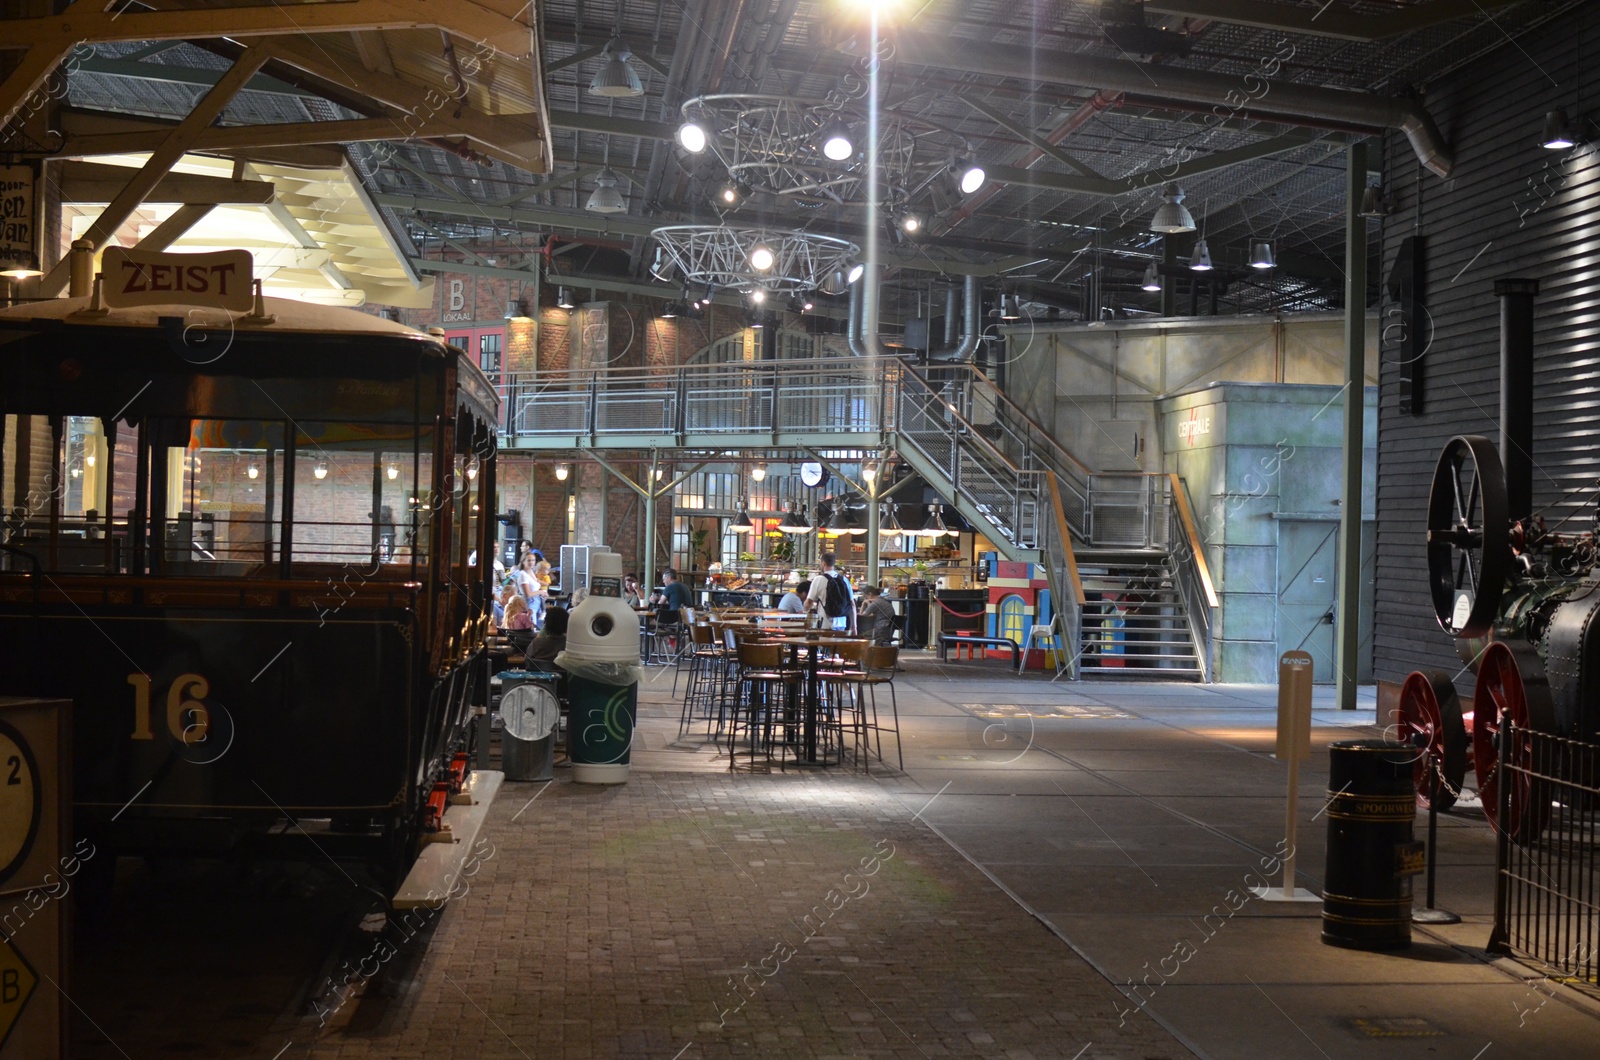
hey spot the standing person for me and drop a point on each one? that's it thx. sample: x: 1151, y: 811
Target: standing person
x: 830, y: 596
x: 529, y: 587
x: 877, y: 616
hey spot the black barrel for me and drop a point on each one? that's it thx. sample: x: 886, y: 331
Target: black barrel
x: 1366, y: 900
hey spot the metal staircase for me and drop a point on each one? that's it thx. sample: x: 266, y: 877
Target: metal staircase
x: 1000, y: 470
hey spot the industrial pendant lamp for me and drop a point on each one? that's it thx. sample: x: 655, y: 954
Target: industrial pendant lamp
x: 935, y: 527
x: 794, y: 521
x: 888, y: 521
x: 1172, y: 216
x: 836, y: 141
x: 1261, y: 256
x: 1557, y: 134
x: 615, y: 79
x: 1201, y: 261
x: 1152, y: 278
x: 606, y: 198
x: 742, y: 523
x: 564, y: 298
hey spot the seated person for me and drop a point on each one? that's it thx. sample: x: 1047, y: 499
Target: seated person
x: 541, y: 654
x: 876, y: 620
x: 673, y: 597
x: 518, y: 622
x: 630, y: 592
x: 794, y: 601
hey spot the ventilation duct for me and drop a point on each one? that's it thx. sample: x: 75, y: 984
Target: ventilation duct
x: 971, y: 316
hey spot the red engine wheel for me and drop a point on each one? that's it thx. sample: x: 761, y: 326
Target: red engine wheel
x: 1500, y: 696
x: 1429, y: 718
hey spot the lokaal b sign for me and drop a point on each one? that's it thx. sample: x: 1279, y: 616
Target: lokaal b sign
x: 219, y: 281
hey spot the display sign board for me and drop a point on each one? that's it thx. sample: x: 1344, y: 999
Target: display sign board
x: 219, y: 280
x: 19, y: 215
x: 1294, y: 705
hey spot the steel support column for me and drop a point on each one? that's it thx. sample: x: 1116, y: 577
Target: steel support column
x: 1348, y: 630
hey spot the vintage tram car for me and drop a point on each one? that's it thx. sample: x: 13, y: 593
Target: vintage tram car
x: 1521, y: 599
x: 245, y: 547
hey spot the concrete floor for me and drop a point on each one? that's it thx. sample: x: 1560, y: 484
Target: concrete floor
x: 1053, y: 845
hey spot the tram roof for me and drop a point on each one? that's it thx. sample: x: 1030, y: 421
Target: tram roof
x: 288, y: 316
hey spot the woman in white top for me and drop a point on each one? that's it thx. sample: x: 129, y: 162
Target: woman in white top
x: 530, y: 586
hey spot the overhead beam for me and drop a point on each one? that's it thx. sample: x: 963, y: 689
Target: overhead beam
x: 1220, y: 159
x: 1288, y: 99
x: 231, y: 138
x: 1033, y: 138
x: 517, y: 140
x: 306, y: 241
x: 1323, y: 21
x: 160, y: 162
x: 172, y: 229
x: 94, y: 182
x: 176, y: 74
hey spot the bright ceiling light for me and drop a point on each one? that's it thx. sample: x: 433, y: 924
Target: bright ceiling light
x: 836, y: 141
x: 761, y: 258
x: 692, y: 137
x: 562, y: 471
x: 759, y: 471
x: 758, y: 296
x: 970, y: 176
x: 1152, y: 278
x: 606, y: 198
x: 1557, y: 134
x: 615, y: 79
x: 742, y: 523
x: 855, y: 272
x: 252, y: 471
x: 1172, y: 215
x: 1261, y: 256
x: 1201, y: 261
x: 321, y: 470
x: 910, y: 224
x: 869, y: 471
x: 1010, y: 307
x: 393, y: 471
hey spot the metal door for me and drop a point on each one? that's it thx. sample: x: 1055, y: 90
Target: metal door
x: 1308, y: 567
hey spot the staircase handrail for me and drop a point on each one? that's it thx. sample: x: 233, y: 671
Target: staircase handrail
x: 1191, y: 572
x: 1068, y: 607
x: 1043, y: 437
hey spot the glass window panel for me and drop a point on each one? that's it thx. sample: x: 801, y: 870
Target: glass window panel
x: 224, y: 497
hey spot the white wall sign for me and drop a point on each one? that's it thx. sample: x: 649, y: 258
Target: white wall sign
x: 219, y: 280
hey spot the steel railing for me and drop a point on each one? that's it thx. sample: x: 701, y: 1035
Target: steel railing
x: 816, y: 396
x: 1547, y: 872
x: 1191, y: 572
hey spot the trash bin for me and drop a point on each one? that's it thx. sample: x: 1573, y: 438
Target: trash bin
x: 1372, y: 804
x: 602, y: 665
x: 529, y: 713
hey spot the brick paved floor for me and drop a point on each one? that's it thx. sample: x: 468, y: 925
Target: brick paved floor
x: 701, y: 915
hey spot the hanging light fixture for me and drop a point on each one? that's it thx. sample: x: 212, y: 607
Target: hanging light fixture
x: 758, y: 296
x: 969, y: 175
x: 562, y: 471
x: 88, y: 458
x: 606, y: 198
x: 1172, y: 216
x: 836, y: 141
x: 670, y: 310
x: 935, y: 527
x: 251, y: 472
x: 742, y: 523
x: 761, y: 257
x: 615, y: 79
x: 838, y: 519
x: 16, y: 264
x: 910, y: 223
x: 1375, y: 203
x: 321, y: 470
x: 1152, y: 278
x: 1261, y: 256
x: 564, y: 298
x: 794, y: 521
x: 1557, y: 133
x: 758, y: 472
x: 855, y: 272
x: 888, y: 521
x: 1010, y: 307
x: 733, y: 193
x: 869, y: 471
x: 692, y: 137
x: 1201, y: 261
x: 472, y: 469
x: 393, y: 471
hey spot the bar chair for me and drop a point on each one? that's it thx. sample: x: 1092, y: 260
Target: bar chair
x: 765, y: 687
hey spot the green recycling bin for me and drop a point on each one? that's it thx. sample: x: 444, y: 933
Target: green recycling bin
x: 602, y: 665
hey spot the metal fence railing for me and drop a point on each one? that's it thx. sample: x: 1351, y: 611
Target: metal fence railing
x: 1191, y: 572
x: 832, y: 395
x: 1547, y: 878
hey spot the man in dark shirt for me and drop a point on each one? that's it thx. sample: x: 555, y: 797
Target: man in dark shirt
x: 876, y: 620
x: 674, y: 595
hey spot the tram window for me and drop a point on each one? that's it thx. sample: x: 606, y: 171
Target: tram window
x: 489, y: 353
x: 356, y: 500
x: 223, y: 498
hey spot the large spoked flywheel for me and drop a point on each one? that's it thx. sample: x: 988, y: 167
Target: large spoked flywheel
x: 1430, y: 720
x: 1501, y: 697
x: 1469, y: 537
